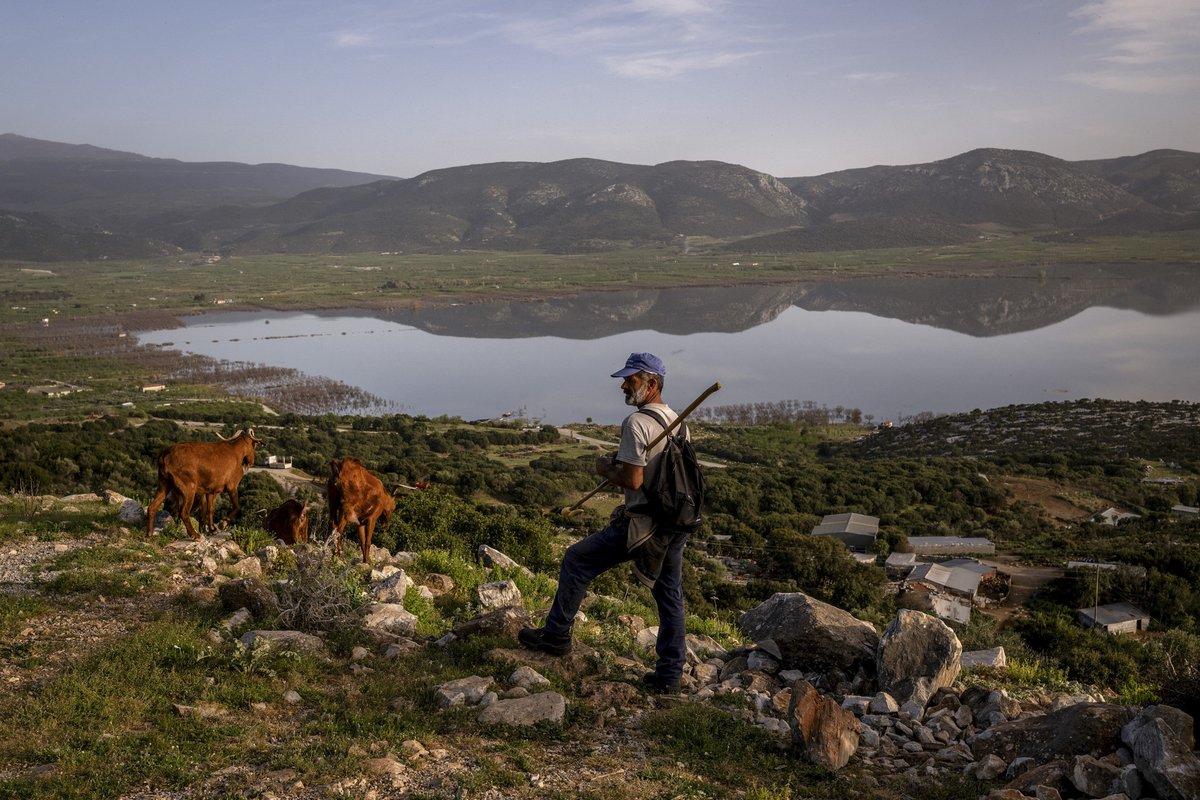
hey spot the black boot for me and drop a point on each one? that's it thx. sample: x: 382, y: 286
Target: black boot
x: 538, y: 639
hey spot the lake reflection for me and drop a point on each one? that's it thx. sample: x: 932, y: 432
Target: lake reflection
x: 890, y: 347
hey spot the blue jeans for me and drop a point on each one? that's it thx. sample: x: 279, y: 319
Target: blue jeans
x: 588, y: 558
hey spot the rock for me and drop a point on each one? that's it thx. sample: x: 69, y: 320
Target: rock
x: 994, y: 658
x: 292, y: 697
x: 380, y: 555
x: 1084, y: 728
x: 249, y: 593
x: 468, y: 691
x: 501, y: 622
x: 918, y: 655
x: 438, y: 583
x: 1162, y: 743
x: 1047, y: 793
x: 883, y: 703
x: 249, y: 567
x: 856, y: 704
x: 392, y: 588
x: 386, y: 621
x: 491, y: 557
x: 914, y: 710
x: 526, y: 711
x: 1094, y: 777
x: 823, y: 733
x: 527, y: 678
x: 386, y: 766
x: 762, y: 661
x: 236, y: 619
x: 1052, y: 774
x: 987, y: 768
x: 647, y: 638
x: 132, y: 513
x: 498, y: 594
x: 382, y: 573
x: 703, y: 647
x: 292, y: 641
x: 810, y: 634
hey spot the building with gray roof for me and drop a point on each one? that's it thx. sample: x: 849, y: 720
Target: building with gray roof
x: 857, y: 531
x: 1114, y: 618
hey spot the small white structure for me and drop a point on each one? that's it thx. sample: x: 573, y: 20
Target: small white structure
x: 1180, y: 509
x: 900, y: 564
x: 153, y: 387
x: 1111, y: 516
x: 955, y: 580
x: 1114, y: 618
x: 948, y: 545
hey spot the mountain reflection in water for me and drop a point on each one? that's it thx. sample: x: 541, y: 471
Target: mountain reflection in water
x: 891, y: 346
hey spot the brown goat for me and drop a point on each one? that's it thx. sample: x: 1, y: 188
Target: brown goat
x: 355, y: 495
x: 202, y: 471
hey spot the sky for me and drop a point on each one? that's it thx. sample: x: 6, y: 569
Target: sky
x: 788, y: 87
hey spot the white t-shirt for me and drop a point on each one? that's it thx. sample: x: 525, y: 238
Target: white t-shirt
x: 637, y: 431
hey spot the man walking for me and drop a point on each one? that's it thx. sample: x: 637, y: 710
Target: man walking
x: 629, y: 535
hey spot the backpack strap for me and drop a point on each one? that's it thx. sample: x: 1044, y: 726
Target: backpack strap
x: 662, y: 421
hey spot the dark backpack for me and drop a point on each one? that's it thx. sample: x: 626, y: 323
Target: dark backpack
x: 675, y: 498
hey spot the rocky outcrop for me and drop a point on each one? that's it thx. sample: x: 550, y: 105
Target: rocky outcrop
x: 1080, y: 729
x: 251, y: 594
x: 498, y: 594
x: 1163, y: 745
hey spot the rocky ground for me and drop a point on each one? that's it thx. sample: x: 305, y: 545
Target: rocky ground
x: 889, y: 715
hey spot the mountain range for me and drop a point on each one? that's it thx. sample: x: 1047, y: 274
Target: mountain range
x: 61, y: 201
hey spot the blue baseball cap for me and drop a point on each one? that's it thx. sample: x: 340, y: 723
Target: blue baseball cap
x: 641, y: 362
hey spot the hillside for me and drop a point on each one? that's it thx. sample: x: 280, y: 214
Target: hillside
x: 84, y: 185
x: 587, y: 205
x: 142, y: 667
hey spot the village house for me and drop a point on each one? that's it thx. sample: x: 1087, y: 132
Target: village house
x: 1114, y: 618
x: 898, y: 565
x: 856, y: 531
x: 153, y: 387
x: 1111, y: 516
x: 1180, y: 509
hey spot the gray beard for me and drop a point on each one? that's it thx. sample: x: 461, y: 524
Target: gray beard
x: 637, y: 398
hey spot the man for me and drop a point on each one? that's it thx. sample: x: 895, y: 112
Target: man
x: 629, y: 535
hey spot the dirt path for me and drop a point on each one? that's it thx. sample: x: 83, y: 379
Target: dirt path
x: 1026, y: 579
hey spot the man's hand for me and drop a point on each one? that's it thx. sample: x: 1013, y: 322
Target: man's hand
x: 618, y: 473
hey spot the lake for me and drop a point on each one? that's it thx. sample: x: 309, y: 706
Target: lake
x: 892, y: 347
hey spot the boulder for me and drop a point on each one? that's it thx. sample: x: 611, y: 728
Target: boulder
x: 1162, y: 743
x: 812, y: 635
x: 526, y: 711
x: 1084, y: 728
x: 823, y: 732
x: 468, y: 691
x: 1093, y: 777
x: 918, y: 655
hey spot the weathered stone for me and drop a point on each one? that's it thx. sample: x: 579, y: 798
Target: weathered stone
x: 528, y: 678
x: 857, y: 704
x: 501, y: 622
x: 1053, y: 774
x: 132, y: 513
x: 1047, y: 793
x: 1093, y: 777
x: 762, y: 661
x: 438, y: 583
x: 386, y: 621
x: 251, y: 594
x: 498, y: 594
x: 987, y: 768
x: 249, y: 567
x: 706, y: 673
x: 464, y: 691
x: 491, y: 557
x: 811, y: 634
x: 526, y: 711
x: 993, y: 658
x: 822, y: 732
x: 292, y: 641
x: 884, y: 703
x: 392, y: 587
x: 918, y: 654
x: 1085, y: 728
x: 1162, y: 741
x: 703, y: 647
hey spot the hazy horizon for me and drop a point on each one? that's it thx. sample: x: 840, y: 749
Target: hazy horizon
x: 791, y: 89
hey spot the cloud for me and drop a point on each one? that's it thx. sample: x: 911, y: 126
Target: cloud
x: 641, y: 39
x: 352, y: 39
x: 1148, y: 46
